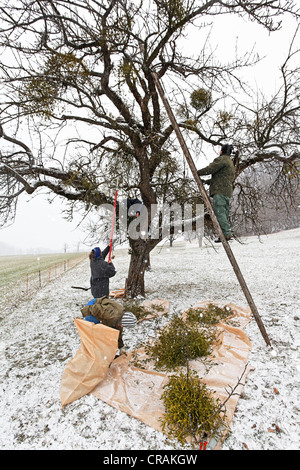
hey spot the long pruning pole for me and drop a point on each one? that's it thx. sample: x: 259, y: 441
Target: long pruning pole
x: 210, y: 210
x: 112, y: 228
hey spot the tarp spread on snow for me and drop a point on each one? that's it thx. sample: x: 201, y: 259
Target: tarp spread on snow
x: 137, y: 391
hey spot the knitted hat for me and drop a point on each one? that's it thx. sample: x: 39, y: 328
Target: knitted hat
x: 97, y: 252
x: 227, y: 149
x: 128, y: 320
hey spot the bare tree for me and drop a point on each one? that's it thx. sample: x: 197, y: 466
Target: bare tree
x: 80, y: 111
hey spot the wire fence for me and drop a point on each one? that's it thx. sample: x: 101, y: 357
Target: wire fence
x: 37, y: 279
x: 21, y: 277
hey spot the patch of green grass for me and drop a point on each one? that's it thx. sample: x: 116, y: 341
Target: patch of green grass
x: 12, y: 268
x: 20, y: 275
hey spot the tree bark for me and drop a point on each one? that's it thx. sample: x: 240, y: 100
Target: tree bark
x: 139, y: 261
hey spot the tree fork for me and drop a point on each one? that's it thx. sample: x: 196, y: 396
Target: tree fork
x: 208, y: 204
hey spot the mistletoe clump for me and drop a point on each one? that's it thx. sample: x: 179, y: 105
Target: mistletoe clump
x: 190, y: 409
x: 210, y: 315
x: 201, y: 99
x: 178, y: 343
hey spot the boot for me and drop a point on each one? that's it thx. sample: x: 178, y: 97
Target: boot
x: 229, y: 238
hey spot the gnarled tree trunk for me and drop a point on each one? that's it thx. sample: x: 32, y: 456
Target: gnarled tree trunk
x: 139, y: 261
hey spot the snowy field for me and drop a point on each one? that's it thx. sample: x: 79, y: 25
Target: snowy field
x: 38, y: 338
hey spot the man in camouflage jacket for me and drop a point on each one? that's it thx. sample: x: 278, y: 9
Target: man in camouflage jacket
x: 221, y: 187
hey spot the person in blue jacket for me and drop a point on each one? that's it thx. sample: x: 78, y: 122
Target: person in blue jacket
x: 101, y: 272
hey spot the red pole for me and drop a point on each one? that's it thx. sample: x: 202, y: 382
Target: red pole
x: 112, y: 229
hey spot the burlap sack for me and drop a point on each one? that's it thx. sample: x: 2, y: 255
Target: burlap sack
x: 89, y: 366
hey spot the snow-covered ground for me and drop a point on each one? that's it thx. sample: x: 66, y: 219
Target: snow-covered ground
x: 38, y: 338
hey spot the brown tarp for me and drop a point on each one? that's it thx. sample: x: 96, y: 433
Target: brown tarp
x: 137, y: 390
x: 156, y: 308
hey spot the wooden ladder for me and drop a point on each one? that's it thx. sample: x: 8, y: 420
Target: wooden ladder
x: 208, y: 205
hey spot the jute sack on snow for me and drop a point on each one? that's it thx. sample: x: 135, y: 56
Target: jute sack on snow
x: 89, y: 366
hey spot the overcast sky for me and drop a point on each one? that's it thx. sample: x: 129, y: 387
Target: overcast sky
x: 40, y: 224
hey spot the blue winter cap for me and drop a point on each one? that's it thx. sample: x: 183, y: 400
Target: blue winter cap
x: 97, y: 252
